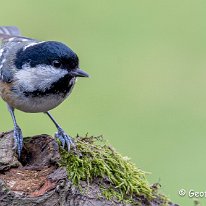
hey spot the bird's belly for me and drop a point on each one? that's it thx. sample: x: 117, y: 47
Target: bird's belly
x: 19, y: 97
x: 35, y: 104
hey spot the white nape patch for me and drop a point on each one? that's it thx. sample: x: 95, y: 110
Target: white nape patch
x: 11, y: 39
x: 25, y: 39
x: 32, y: 44
x: 40, y: 77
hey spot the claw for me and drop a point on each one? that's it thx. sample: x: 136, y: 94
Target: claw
x: 61, y: 138
x: 18, y: 140
x: 64, y: 138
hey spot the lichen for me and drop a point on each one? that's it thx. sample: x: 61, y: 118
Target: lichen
x: 93, y: 158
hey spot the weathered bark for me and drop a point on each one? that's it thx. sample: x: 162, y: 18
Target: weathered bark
x: 38, y: 180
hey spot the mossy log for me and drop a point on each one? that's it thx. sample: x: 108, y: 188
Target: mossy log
x: 39, y: 179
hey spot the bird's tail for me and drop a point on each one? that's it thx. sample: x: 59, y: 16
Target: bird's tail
x: 9, y: 31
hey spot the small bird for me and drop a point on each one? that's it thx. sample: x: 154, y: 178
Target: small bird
x: 36, y: 76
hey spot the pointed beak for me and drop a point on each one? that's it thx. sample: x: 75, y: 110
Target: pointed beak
x: 78, y: 73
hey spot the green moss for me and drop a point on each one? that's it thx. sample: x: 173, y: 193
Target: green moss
x: 94, y: 159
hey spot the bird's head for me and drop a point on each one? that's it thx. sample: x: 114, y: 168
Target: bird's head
x: 49, y: 54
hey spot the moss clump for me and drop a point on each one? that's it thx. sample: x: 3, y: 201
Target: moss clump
x: 94, y: 159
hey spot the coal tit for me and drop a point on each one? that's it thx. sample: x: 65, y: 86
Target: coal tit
x: 35, y: 76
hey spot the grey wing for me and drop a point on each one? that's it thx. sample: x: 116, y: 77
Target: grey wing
x: 6, y: 72
x: 10, y: 30
x: 9, y: 44
x: 6, y: 75
x: 7, y: 32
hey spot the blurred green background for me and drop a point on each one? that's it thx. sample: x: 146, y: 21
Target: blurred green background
x: 147, y: 91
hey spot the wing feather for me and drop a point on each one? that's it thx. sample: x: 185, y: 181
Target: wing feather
x: 10, y: 39
x: 10, y: 30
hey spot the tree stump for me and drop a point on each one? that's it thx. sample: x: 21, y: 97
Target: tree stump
x: 37, y: 178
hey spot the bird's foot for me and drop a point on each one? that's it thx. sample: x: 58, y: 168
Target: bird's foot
x: 65, y: 139
x: 18, y: 140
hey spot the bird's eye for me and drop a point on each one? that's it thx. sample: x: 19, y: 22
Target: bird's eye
x: 56, y: 63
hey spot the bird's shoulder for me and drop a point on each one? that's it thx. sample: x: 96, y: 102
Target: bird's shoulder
x: 9, y: 46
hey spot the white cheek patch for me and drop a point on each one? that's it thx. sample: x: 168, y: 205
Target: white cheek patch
x: 38, y: 78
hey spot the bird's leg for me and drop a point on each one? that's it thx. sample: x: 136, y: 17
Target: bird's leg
x: 18, y: 138
x: 61, y: 135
